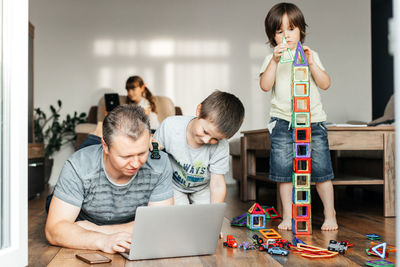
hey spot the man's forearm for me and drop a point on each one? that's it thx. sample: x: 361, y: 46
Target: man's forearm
x: 116, y: 228
x: 70, y: 235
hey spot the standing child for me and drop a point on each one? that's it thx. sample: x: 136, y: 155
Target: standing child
x: 198, y: 148
x: 286, y: 20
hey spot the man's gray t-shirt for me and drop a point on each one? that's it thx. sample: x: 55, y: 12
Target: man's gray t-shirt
x: 191, y: 166
x: 84, y: 183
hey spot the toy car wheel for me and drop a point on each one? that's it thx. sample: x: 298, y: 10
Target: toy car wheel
x: 332, y: 242
x: 343, y: 243
x: 341, y: 251
x: 330, y: 249
x: 225, y: 244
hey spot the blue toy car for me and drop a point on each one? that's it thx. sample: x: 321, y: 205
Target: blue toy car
x: 278, y: 251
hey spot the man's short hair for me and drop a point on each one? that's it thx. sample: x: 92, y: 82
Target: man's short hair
x: 225, y: 110
x: 128, y: 119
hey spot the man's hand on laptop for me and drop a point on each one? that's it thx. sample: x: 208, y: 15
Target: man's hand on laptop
x: 118, y: 242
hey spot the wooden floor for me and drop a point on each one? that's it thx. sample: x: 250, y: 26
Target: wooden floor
x: 359, y: 212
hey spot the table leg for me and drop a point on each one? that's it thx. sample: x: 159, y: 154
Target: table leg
x: 389, y: 175
x: 243, y: 159
x: 251, y: 183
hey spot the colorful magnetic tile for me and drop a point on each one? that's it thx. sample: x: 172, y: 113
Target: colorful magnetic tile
x: 255, y: 221
x: 302, y: 165
x: 373, y: 237
x: 301, y: 119
x: 301, y: 104
x: 378, y: 251
x: 270, y: 234
x: 300, y: 58
x: 313, y: 252
x: 256, y: 209
x: 296, y: 241
x: 301, y: 180
x: 287, y: 55
x: 301, y: 89
x: 301, y: 227
x: 301, y: 211
x: 300, y: 74
x: 301, y: 150
x: 389, y: 248
x: 270, y: 212
x: 377, y: 263
x: 302, y: 135
x: 240, y: 220
x: 301, y: 196
x: 371, y: 253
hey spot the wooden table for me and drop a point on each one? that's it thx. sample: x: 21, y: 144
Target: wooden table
x: 340, y: 138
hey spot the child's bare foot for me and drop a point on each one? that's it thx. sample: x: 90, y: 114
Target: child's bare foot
x: 286, y: 224
x: 329, y: 225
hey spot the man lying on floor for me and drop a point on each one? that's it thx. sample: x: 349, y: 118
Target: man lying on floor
x: 100, y: 186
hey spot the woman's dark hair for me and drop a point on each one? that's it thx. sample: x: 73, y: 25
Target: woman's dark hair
x: 273, y: 21
x: 137, y: 81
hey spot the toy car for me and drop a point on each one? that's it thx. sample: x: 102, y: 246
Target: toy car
x: 230, y: 242
x: 282, y: 243
x: 266, y: 245
x: 278, y: 251
x: 349, y: 244
x: 258, y: 239
x: 338, y: 247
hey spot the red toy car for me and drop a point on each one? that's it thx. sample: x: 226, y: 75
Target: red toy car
x: 230, y: 242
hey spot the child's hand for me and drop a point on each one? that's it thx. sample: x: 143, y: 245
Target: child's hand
x: 278, y: 51
x: 309, y: 56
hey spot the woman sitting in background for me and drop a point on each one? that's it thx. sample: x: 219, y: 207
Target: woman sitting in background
x: 140, y: 95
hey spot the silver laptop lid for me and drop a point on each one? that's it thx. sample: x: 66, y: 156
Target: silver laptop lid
x: 174, y: 231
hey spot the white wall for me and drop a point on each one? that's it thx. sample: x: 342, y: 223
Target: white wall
x: 186, y: 48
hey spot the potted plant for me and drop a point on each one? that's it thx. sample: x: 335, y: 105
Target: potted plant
x: 54, y: 132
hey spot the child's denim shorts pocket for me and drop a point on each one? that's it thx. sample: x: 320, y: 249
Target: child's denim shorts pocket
x: 271, y: 125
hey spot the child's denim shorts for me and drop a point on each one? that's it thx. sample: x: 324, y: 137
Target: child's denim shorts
x: 281, y: 156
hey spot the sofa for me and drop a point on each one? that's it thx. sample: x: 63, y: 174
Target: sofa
x: 165, y: 108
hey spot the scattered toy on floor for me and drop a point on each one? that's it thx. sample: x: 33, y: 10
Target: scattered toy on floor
x: 230, y: 242
x: 373, y: 237
x: 338, y: 247
x: 379, y: 263
x: 278, y: 251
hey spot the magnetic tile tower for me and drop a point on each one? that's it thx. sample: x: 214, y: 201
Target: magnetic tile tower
x: 301, y: 124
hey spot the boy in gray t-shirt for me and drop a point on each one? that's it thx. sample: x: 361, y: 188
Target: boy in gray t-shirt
x: 198, y: 148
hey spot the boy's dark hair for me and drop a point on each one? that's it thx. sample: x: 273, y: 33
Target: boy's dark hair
x: 128, y: 120
x: 273, y: 21
x: 225, y: 110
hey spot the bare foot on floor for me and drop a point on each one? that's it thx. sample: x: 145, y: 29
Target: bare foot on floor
x: 329, y: 225
x: 286, y: 224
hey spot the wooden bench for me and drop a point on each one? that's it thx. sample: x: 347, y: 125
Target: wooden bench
x: 340, y: 138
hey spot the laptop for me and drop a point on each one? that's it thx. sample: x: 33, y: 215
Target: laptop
x: 175, y: 231
x: 111, y: 101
